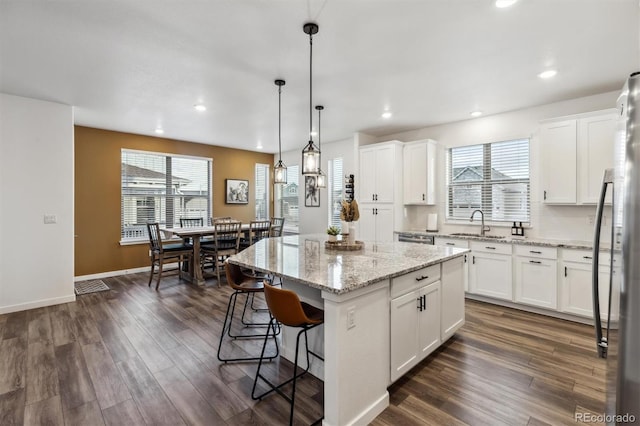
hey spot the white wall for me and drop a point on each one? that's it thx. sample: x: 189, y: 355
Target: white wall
x: 555, y: 222
x: 315, y: 219
x: 36, y: 178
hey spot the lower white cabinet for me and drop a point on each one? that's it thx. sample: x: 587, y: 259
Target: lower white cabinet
x: 490, y: 270
x: 452, y: 280
x: 536, y: 275
x: 454, y: 242
x: 415, y: 327
x: 577, y: 291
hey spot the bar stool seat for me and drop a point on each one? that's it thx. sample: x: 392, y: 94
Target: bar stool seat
x: 287, y: 309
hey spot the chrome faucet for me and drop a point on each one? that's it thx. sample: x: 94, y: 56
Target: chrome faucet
x: 483, y: 228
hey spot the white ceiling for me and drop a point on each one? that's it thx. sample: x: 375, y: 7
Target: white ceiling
x: 132, y: 65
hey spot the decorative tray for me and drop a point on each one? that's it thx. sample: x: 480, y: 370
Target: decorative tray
x: 343, y: 245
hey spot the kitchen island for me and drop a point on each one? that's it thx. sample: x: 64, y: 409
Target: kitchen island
x: 387, y: 306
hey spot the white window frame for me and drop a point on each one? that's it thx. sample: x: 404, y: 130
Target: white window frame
x: 335, y: 190
x: 265, y: 170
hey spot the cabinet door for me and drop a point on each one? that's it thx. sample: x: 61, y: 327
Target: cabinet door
x: 385, y: 175
x: 367, y: 182
x: 367, y: 223
x: 415, y: 174
x: 536, y: 282
x: 558, y: 158
x: 429, y: 320
x: 384, y: 223
x: 577, y: 292
x: 595, y: 154
x: 452, y: 296
x: 404, y: 334
x: 491, y: 275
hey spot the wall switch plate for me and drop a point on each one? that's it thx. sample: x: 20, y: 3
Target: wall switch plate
x: 50, y: 218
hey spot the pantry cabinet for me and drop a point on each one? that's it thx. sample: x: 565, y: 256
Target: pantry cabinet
x: 574, y: 152
x: 420, y: 172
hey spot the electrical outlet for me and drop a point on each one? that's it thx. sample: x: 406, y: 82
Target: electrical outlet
x: 50, y: 218
x: 351, y: 318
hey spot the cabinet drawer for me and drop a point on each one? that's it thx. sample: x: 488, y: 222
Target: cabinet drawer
x: 536, y: 251
x: 490, y: 247
x: 451, y: 242
x: 408, y: 282
x: 585, y: 256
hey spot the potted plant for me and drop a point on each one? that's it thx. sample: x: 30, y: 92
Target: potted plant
x: 333, y: 232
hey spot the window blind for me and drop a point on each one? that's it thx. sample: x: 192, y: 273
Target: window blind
x: 162, y: 188
x: 492, y: 177
x: 336, y: 187
x: 287, y: 200
x: 262, y: 191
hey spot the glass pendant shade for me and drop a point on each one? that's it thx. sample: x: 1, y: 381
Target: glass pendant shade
x: 310, y: 159
x: 280, y: 173
x: 280, y: 170
x: 321, y: 179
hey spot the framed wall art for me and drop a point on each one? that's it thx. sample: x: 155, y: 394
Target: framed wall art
x: 311, y: 192
x: 237, y: 191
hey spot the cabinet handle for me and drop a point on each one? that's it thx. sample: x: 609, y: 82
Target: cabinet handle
x: 587, y: 257
x: 424, y: 302
x: 565, y: 271
x: 473, y: 260
x: 424, y: 277
x: 465, y: 258
x: 373, y: 197
x: 535, y: 252
x: 451, y: 244
x: 534, y: 261
x: 545, y: 195
x: 490, y: 248
x: 419, y: 300
x: 422, y: 197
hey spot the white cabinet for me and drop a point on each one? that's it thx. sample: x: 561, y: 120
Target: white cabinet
x: 452, y: 279
x: 454, y: 242
x: 380, y: 189
x: 490, y: 270
x: 379, y: 172
x: 536, y: 276
x: 574, y: 153
x: 577, y: 291
x: 415, y: 318
x: 419, y: 172
x: 376, y: 222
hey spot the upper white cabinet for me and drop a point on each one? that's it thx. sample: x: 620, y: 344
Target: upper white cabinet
x: 574, y: 154
x: 379, y: 172
x: 420, y: 172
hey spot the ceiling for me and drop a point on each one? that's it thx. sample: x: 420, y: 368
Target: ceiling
x: 133, y: 65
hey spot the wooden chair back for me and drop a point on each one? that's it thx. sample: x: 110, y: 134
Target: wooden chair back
x: 277, y: 223
x: 155, y: 239
x: 259, y: 229
x: 191, y: 222
x: 227, y: 237
x: 221, y: 219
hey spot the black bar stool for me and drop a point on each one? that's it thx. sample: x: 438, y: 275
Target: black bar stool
x: 287, y: 309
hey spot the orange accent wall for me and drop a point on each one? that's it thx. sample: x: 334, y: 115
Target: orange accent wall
x: 97, y: 192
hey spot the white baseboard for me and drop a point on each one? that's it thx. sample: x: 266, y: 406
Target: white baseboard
x: 373, y: 411
x: 111, y: 274
x: 37, y: 304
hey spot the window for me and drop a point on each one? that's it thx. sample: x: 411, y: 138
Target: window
x: 262, y: 191
x: 162, y: 188
x: 335, y: 191
x: 287, y: 200
x: 493, y: 177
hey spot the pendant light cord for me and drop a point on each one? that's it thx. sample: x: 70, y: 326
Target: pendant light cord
x: 279, y: 123
x: 310, y: 86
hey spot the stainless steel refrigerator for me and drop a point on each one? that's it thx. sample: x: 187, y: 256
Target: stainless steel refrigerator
x: 618, y: 327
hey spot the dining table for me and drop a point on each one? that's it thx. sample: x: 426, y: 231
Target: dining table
x: 194, y: 273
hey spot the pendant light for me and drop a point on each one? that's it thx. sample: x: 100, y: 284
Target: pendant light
x: 321, y: 179
x: 279, y: 170
x: 310, y: 153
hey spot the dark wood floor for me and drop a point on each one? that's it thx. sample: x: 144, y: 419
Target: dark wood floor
x: 136, y: 356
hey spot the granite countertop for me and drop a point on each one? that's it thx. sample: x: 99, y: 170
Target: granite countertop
x: 304, y: 259
x: 580, y: 245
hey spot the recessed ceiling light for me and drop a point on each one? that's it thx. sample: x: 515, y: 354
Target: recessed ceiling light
x: 505, y: 3
x: 159, y: 131
x: 200, y: 107
x: 476, y: 113
x: 386, y: 115
x: 259, y: 146
x: 548, y: 74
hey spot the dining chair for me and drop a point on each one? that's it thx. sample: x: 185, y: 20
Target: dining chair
x: 277, y: 223
x: 258, y: 230
x: 226, y: 242
x: 164, y: 253
x: 191, y: 222
x: 220, y: 219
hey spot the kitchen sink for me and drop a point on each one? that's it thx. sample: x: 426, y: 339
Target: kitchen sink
x: 465, y: 234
